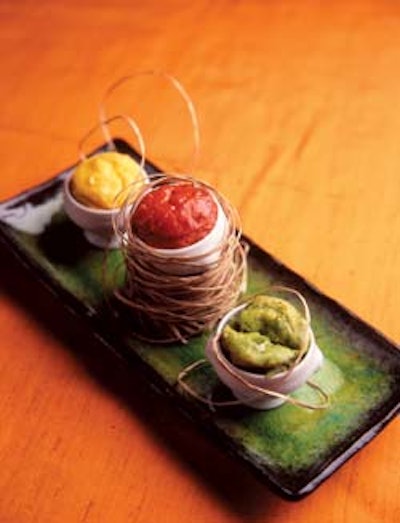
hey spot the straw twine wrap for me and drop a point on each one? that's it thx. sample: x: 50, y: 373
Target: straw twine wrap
x: 166, y: 306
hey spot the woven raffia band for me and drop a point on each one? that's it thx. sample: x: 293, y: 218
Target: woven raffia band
x: 169, y: 307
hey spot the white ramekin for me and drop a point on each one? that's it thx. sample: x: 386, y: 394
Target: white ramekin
x: 97, y: 224
x: 283, y: 382
x: 197, y: 257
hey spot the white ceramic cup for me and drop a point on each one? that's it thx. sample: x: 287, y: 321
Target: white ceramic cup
x: 97, y: 224
x: 198, y: 256
x: 283, y: 382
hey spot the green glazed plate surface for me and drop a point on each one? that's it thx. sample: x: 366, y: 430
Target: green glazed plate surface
x: 291, y: 448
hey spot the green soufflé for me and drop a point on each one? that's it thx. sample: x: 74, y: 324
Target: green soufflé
x: 265, y: 336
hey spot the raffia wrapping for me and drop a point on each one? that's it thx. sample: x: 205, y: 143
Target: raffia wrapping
x: 167, y: 307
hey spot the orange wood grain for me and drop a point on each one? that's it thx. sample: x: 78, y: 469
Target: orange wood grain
x: 300, y: 120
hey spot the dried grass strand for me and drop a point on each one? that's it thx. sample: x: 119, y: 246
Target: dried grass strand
x: 176, y: 84
x: 185, y: 372
x: 170, y: 307
x: 104, y: 124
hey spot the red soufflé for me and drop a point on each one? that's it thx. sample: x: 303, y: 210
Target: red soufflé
x: 175, y: 216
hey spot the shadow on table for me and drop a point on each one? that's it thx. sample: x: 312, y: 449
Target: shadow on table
x: 224, y: 478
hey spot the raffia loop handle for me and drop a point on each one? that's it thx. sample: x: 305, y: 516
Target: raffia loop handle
x: 105, y: 125
x: 176, y: 85
x: 298, y: 295
x: 181, y: 381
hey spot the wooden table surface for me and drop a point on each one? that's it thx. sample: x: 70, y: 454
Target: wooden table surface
x: 299, y: 107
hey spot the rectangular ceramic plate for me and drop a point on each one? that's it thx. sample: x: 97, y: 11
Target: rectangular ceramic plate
x: 290, y: 448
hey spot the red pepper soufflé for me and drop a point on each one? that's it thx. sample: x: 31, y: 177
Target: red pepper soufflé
x: 175, y: 216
